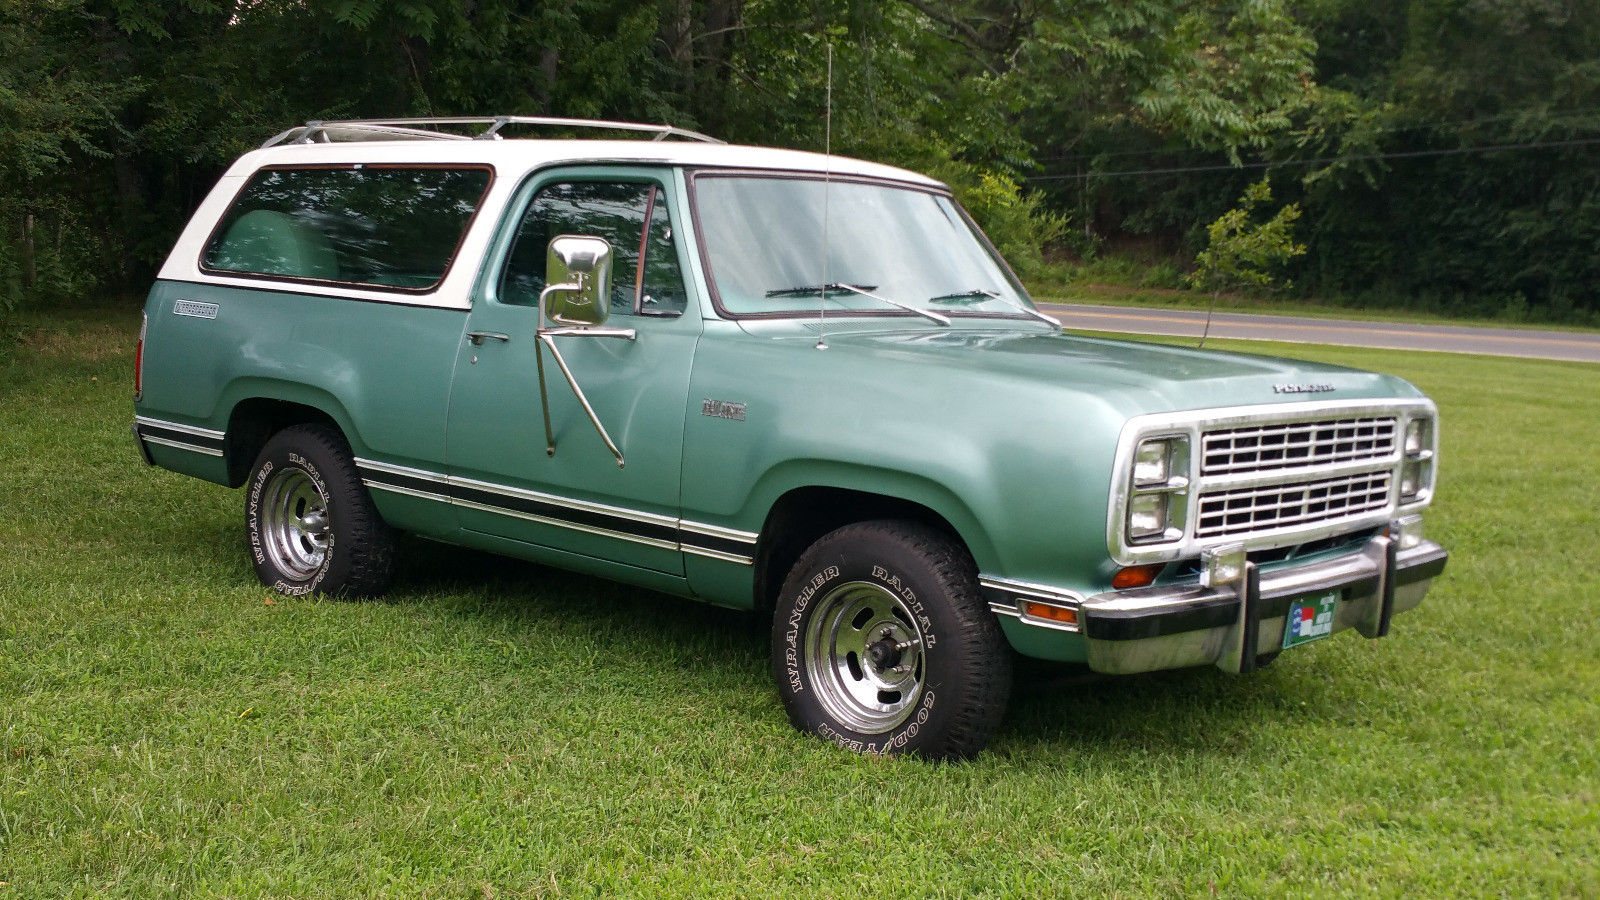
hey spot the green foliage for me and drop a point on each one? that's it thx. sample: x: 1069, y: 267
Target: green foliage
x: 1243, y: 254
x: 1441, y: 223
x: 1018, y: 223
x: 117, y: 115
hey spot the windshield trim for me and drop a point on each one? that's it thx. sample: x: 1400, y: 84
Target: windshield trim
x: 941, y: 191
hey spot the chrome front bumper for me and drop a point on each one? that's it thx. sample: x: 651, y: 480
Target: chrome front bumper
x: 1233, y: 626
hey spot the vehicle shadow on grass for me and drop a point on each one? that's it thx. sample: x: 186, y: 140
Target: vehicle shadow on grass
x: 476, y: 583
x: 1058, y: 711
x: 1199, y: 711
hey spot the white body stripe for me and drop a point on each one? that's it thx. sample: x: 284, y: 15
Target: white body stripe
x: 632, y: 515
x: 192, y: 448
x: 175, y: 426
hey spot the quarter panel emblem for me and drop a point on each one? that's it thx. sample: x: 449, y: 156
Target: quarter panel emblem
x: 195, y: 309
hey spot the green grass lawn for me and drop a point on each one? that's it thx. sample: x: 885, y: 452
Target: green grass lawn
x: 497, y: 729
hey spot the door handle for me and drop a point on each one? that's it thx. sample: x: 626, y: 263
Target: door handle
x: 477, y: 337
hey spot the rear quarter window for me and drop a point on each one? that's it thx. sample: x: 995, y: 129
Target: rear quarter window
x: 387, y: 227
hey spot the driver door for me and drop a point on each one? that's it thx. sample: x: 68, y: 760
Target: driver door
x: 579, y: 499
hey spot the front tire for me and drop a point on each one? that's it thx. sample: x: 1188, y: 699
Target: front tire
x: 312, y: 525
x: 882, y: 644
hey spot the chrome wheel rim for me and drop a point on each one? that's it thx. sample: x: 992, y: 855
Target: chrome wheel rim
x: 864, y: 656
x: 295, y: 520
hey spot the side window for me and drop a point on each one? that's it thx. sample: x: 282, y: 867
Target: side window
x: 632, y: 216
x: 392, y: 227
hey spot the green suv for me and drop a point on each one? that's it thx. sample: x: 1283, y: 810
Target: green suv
x: 765, y: 379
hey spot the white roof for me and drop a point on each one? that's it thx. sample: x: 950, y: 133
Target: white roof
x: 522, y: 155
x: 511, y: 158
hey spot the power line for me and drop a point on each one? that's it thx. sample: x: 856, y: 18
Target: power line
x: 1406, y: 154
x: 1569, y: 113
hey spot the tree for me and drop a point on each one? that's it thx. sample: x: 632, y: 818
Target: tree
x: 1242, y: 253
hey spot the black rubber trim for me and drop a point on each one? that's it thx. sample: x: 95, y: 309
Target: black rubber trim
x: 1251, y: 638
x: 995, y: 595
x: 720, y: 545
x: 424, y: 485
x: 1136, y: 624
x: 1427, y: 567
x: 547, y: 510
x: 144, y: 429
x: 559, y: 513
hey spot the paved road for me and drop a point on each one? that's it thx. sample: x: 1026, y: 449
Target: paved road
x: 1395, y: 336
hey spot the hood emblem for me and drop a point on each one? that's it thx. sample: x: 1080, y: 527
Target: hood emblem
x: 1319, y: 388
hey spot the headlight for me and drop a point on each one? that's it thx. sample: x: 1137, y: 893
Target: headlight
x: 1419, y: 436
x: 1147, y: 516
x: 1416, y: 468
x: 1410, y: 478
x: 1158, y: 495
x: 1152, y: 463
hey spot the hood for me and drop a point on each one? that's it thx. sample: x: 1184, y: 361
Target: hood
x: 1133, y: 377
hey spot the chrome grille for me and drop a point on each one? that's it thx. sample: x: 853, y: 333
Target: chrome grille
x: 1268, y: 507
x: 1297, y: 445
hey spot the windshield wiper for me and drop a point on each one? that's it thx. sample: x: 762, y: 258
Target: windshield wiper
x: 832, y: 287
x: 976, y: 295
x: 979, y: 294
x: 864, y: 290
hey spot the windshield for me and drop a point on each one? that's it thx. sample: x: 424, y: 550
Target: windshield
x: 889, y: 248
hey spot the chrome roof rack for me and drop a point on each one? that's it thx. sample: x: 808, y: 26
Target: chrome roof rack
x: 318, y: 131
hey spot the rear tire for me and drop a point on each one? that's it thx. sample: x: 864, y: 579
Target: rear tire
x: 312, y: 525
x: 882, y: 644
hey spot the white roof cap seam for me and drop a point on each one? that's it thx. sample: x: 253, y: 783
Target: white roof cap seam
x: 520, y: 156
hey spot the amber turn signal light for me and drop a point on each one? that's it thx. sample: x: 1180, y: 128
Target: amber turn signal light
x: 1135, y: 576
x: 1054, y: 613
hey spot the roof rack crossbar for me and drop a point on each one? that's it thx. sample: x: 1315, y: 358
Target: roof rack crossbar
x: 318, y: 130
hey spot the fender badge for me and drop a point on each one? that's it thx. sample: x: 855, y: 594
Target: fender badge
x: 195, y: 309
x: 722, y: 409
x: 1302, y: 388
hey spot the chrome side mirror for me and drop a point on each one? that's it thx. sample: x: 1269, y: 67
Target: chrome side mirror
x: 575, y: 302
x: 577, y: 275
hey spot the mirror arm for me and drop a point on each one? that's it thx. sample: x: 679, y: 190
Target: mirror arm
x: 551, y: 289
x: 538, y: 358
x: 626, y: 333
x: 548, y: 340
x: 544, y: 398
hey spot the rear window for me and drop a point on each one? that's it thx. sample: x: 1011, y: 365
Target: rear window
x: 388, y: 227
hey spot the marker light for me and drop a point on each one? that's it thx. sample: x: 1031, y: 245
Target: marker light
x: 1135, y: 576
x: 138, y: 360
x: 1062, y: 614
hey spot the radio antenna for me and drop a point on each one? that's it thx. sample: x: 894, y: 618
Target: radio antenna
x: 1207, y: 330
x: 827, y: 180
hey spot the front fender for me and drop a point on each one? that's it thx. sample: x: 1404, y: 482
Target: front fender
x: 796, y: 474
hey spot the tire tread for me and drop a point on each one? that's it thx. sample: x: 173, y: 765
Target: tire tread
x: 980, y: 649
x: 370, y: 544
